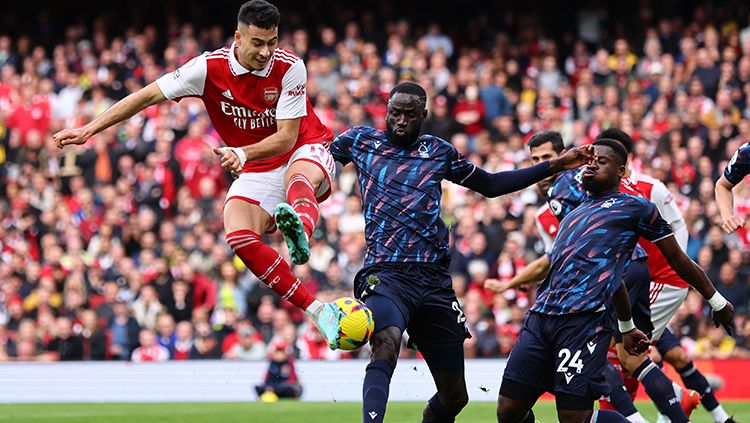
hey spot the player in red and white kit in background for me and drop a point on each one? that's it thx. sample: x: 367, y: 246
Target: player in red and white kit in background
x: 667, y: 291
x: 255, y: 94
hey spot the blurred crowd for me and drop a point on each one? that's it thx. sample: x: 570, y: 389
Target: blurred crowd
x: 115, y: 250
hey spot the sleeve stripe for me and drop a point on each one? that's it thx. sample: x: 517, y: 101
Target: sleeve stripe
x: 664, y: 237
x: 474, y: 167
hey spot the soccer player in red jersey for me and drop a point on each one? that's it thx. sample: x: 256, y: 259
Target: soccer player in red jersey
x: 255, y: 94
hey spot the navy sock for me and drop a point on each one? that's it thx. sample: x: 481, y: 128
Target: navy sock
x: 619, y: 397
x: 659, y: 389
x: 696, y: 381
x: 439, y: 413
x: 608, y: 416
x: 375, y: 390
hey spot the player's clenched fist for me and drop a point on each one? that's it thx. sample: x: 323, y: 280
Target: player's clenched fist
x: 732, y: 223
x: 69, y: 137
x: 635, y: 342
x: 724, y: 317
x: 232, y: 158
x: 573, y: 158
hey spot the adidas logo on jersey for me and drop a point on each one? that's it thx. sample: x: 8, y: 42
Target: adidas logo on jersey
x: 228, y: 94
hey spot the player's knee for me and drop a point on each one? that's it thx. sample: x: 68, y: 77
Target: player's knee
x: 677, y: 358
x: 386, y: 344
x: 456, y: 401
x: 510, y: 411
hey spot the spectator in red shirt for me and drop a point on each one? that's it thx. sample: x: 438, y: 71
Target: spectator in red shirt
x: 469, y: 111
x: 149, y: 350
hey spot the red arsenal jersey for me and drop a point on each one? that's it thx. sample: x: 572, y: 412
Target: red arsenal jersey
x: 656, y: 192
x: 244, y: 104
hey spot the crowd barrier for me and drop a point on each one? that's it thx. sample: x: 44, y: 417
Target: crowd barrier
x: 213, y: 381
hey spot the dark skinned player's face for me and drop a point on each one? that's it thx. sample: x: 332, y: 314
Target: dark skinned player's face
x: 604, y: 172
x: 404, y: 119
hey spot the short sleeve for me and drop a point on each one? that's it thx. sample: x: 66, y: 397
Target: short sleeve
x: 651, y: 225
x: 188, y: 80
x: 739, y: 166
x: 341, y: 147
x: 293, y: 99
x: 459, y: 167
x: 664, y: 201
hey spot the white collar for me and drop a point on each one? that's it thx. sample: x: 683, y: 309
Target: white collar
x: 238, y: 69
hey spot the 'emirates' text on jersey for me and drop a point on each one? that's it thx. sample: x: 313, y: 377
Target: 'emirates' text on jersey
x: 401, y: 192
x: 593, y: 247
x: 244, y: 105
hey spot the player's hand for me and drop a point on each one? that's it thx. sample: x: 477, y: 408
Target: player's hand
x: 635, y: 342
x: 229, y: 159
x: 496, y: 285
x: 573, y: 158
x: 732, y: 223
x: 724, y: 317
x: 69, y: 137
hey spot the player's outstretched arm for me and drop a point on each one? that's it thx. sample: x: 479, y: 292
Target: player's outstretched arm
x: 634, y: 341
x: 725, y: 202
x: 723, y: 311
x: 501, y: 183
x: 120, y: 111
x: 533, y: 272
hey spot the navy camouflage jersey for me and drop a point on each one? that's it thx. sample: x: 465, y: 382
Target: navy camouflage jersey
x: 567, y: 193
x: 593, y: 248
x: 401, y: 192
x: 739, y: 166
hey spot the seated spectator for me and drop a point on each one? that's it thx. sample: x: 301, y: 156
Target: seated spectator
x: 184, y: 341
x: 281, y: 379
x: 124, y: 331
x: 66, y: 345
x: 149, y: 350
x: 717, y: 344
x: 249, y: 345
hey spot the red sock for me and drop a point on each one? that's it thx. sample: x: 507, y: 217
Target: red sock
x: 269, y: 267
x: 301, y: 196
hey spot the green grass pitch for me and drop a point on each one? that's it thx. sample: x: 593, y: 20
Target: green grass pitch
x: 281, y: 412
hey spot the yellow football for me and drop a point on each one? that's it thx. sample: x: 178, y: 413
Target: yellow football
x: 355, y: 323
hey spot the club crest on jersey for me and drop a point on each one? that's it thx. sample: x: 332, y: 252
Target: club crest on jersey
x: 270, y: 94
x: 609, y: 203
x: 423, y: 151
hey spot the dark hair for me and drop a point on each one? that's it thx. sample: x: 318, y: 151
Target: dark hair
x: 618, y: 134
x: 616, y: 146
x: 259, y: 13
x: 547, y: 136
x: 409, y: 88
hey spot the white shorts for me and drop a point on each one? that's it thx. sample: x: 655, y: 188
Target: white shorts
x: 665, y: 300
x: 266, y: 189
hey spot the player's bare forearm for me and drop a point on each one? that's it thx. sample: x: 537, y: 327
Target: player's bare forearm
x: 685, y: 267
x: 125, y: 109
x: 277, y: 144
x: 621, y: 302
x: 724, y: 199
x: 730, y: 222
x: 535, y: 271
x: 122, y: 110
